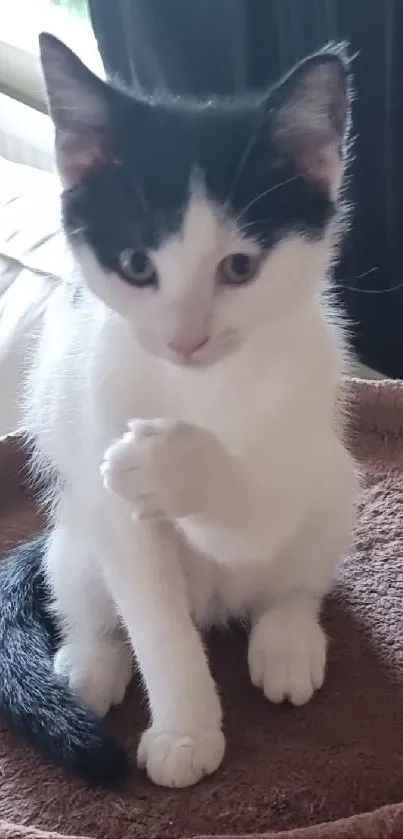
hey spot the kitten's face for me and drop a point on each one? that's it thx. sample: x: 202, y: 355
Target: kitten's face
x: 199, y: 223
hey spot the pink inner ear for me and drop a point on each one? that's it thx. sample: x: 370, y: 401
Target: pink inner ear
x: 323, y: 164
x: 76, y: 166
x: 79, y: 153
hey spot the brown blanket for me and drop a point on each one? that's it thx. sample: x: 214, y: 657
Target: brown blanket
x: 332, y: 769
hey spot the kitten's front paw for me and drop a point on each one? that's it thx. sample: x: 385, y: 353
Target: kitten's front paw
x: 287, y: 656
x: 155, y: 466
x: 174, y: 759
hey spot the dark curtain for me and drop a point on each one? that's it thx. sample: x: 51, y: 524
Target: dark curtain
x: 223, y: 46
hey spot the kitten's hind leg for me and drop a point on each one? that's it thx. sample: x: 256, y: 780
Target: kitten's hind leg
x: 97, y: 670
x: 287, y: 647
x: 287, y: 650
x: 94, y: 657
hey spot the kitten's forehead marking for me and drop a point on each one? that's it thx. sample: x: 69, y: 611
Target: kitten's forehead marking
x: 187, y: 261
x: 200, y: 233
x: 192, y: 251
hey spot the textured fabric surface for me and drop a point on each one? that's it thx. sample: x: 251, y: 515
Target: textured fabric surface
x: 34, y: 259
x: 333, y: 769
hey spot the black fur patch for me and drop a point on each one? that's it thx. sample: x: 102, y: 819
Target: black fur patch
x: 138, y: 200
x: 129, y: 163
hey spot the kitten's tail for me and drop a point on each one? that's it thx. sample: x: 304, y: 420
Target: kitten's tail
x: 41, y: 709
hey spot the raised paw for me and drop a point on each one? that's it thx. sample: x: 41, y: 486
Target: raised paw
x: 155, y: 466
x: 287, y: 656
x: 98, y: 672
x: 180, y: 759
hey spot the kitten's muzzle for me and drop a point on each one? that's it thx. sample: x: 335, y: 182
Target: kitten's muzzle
x: 184, y: 350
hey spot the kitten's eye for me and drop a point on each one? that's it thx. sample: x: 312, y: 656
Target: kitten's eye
x: 238, y: 268
x: 137, y: 267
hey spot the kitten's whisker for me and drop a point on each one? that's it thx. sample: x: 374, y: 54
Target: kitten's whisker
x: 343, y: 284
x: 251, y: 223
x: 267, y: 192
x: 78, y: 231
x: 242, y: 161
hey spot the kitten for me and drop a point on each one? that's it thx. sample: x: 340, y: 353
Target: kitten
x: 183, y: 403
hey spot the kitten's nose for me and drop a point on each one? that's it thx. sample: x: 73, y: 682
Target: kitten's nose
x: 186, y: 348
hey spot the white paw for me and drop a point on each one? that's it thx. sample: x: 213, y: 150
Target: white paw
x: 173, y: 759
x: 98, y: 672
x: 155, y: 466
x: 287, y: 656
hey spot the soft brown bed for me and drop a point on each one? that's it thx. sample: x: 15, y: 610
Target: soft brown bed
x: 332, y: 769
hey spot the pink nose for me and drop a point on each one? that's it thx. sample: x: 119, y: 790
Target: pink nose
x: 185, y: 348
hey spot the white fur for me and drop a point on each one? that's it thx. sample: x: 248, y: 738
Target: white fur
x: 192, y: 492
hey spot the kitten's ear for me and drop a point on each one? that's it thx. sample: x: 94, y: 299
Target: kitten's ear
x: 78, y: 105
x: 310, y: 117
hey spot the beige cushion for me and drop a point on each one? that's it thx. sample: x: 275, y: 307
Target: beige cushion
x: 34, y: 258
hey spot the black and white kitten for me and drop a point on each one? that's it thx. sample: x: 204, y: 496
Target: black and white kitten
x: 185, y: 396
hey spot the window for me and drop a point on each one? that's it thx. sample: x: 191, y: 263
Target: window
x: 21, y: 21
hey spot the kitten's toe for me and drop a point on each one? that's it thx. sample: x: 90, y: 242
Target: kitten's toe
x: 173, y: 759
x: 98, y: 672
x: 128, y: 468
x: 120, y: 467
x: 287, y: 657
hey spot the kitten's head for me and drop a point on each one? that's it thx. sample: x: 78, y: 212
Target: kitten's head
x: 201, y: 223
